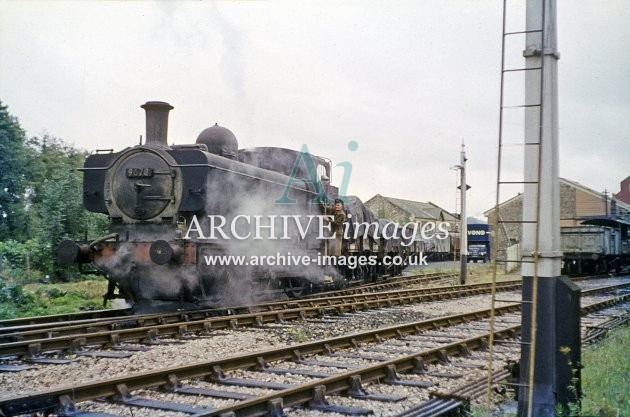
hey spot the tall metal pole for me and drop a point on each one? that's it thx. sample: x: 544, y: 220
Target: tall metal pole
x: 550, y: 314
x: 463, y: 245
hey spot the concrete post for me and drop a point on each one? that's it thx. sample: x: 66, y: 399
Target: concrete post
x: 542, y: 314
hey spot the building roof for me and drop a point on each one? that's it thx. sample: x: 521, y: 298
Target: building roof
x: 418, y: 209
x: 584, y: 188
x: 570, y: 183
x: 508, y: 201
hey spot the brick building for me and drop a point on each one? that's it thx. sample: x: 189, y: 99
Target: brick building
x: 577, y: 203
x: 624, y: 193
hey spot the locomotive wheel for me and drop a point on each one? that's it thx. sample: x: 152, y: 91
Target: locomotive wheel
x: 360, y: 273
x: 296, y: 287
x: 369, y: 273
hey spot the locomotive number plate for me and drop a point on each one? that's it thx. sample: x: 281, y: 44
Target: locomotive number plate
x: 139, y: 172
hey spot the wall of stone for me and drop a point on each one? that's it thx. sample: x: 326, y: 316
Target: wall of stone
x: 507, y: 234
x: 385, y: 209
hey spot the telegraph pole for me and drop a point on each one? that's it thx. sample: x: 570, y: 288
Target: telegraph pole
x: 463, y: 240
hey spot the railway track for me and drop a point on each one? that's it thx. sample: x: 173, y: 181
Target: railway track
x: 90, y: 339
x: 85, y: 317
x: 309, y: 374
x: 216, y: 370
x: 170, y: 324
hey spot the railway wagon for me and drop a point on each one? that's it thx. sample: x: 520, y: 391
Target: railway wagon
x: 600, y: 245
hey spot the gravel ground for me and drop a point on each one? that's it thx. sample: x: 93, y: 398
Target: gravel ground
x: 228, y: 343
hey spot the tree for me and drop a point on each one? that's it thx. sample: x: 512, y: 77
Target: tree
x: 40, y: 198
x: 56, y: 197
x: 12, y: 175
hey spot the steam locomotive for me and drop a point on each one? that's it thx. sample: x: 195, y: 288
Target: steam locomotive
x: 190, y: 224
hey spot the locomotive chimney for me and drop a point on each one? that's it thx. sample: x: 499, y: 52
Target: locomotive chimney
x: 157, y: 122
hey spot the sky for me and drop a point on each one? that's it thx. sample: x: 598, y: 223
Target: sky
x: 408, y: 81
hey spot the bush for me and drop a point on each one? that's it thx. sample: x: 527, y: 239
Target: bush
x: 13, y: 299
x: 55, y: 292
x: 14, y: 294
x: 16, y: 257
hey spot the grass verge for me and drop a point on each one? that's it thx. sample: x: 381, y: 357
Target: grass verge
x: 606, y: 376
x: 605, y: 379
x: 44, y: 299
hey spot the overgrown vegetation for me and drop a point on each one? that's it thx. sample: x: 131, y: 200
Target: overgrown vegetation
x: 40, y: 203
x: 606, y: 376
x: 298, y: 334
x: 605, y: 380
x: 43, y: 299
